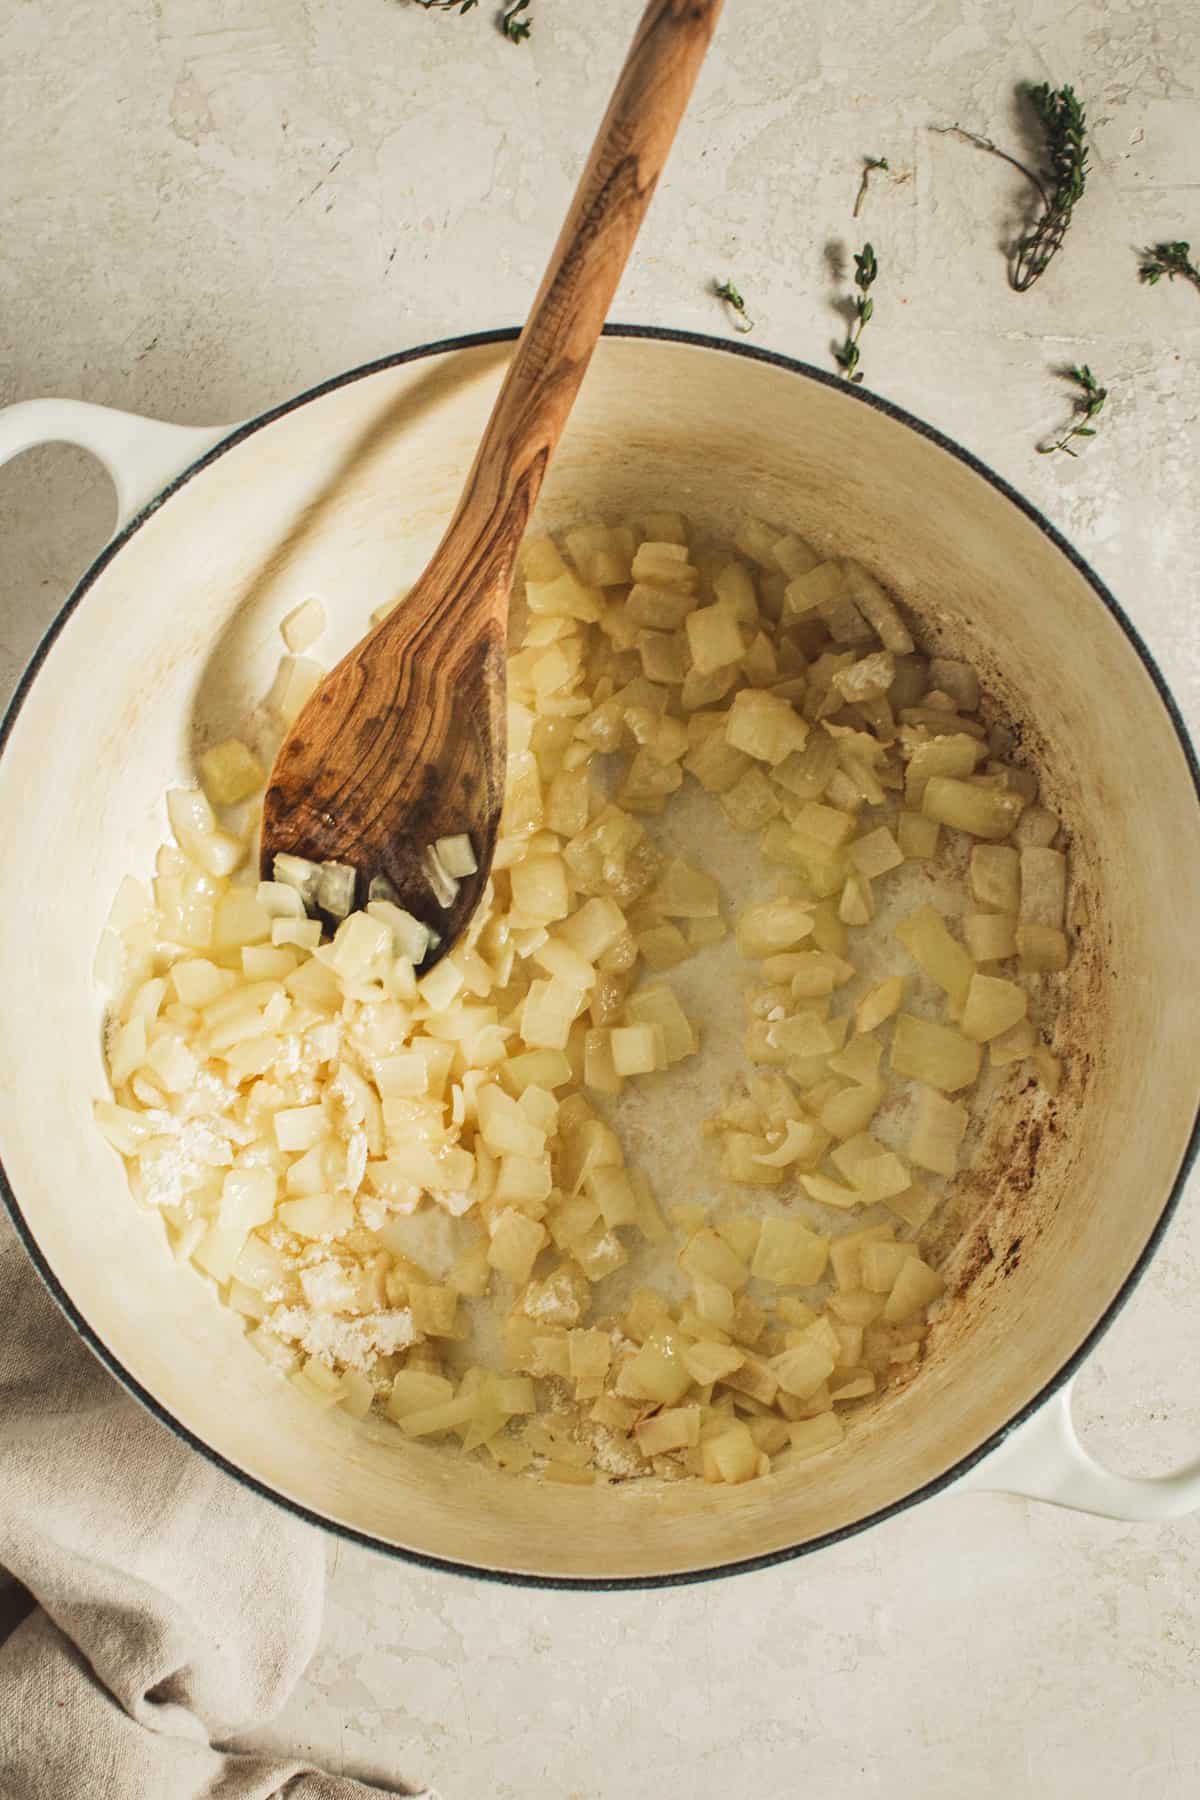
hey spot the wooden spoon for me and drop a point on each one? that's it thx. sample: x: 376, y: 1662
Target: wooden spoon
x: 403, y: 742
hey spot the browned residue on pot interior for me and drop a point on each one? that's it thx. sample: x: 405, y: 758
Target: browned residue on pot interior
x: 1021, y: 1165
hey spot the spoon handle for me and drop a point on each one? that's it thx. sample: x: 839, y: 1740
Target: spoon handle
x: 572, y: 303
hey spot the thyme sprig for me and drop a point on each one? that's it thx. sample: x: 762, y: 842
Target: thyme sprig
x: 1064, y: 123
x: 1089, y: 403
x: 510, y: 22
x: 870, y: 163
x: 1059, y: 184
x: 1170, y: 260
x: 847, y: 355
x: 735, y: 305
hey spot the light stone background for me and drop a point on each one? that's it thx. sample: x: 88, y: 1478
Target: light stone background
x: 210, y: 204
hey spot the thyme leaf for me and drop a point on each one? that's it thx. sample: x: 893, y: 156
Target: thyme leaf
x: 1170, y: 260
x: 1089, y: 403
x: 734, y: 304
x: 847, y: 355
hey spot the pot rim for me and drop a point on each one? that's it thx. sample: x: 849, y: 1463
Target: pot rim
x: 939, y: 1483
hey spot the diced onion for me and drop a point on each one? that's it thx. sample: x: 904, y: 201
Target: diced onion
x: 442, y: 884
x: 456, y: 855
x: 303, y: 626
x: 349, y: 1147
x: 335, y: 888
x: 296, y: 872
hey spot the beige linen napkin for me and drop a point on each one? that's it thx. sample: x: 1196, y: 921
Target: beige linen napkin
x: 150, y: 1607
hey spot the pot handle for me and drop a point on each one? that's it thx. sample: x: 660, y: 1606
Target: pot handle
x: 141, y: 455
x: 1043, y: 1459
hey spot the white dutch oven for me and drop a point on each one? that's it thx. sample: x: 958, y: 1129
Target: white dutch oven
x: 173, y: 633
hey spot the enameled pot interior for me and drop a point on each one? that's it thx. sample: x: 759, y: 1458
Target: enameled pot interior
x: 345, y: 496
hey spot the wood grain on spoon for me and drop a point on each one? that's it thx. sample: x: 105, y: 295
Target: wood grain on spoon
x: 404, y: 741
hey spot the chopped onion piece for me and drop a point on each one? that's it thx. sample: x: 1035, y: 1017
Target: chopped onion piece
x: 1013, y: 1045
x: 303, y: 626
x: 800, y: 1136
x: 935, y: 949
x: 938, y: 1133
x: 916, y: 1287
x: 335, y: 888
x: 809, y: 1437
x: 380, y: 888
x: 441, y: 884
x: 297, y: 872
x: 294, y: 686
x: 918, y: 836
x: 995, y: 875
x: 411, y: 939
x: 937, y: 1055
x: 991, y: 937
x: 456, y: 855
x: 280, y: 900
x: 1043, y: 887
x: 993, y: 1006
x: 1041, y: 948
x: 984, y: 812
x: 876, y: 853
x: 198, y: 835
x: 880, y: 1003
x: 230, y: 772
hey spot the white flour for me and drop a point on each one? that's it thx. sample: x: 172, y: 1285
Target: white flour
x: 354, y: 1343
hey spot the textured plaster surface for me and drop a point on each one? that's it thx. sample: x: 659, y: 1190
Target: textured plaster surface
x: 209, y: 205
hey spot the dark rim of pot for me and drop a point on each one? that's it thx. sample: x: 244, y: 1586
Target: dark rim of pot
x: 856, y: 396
